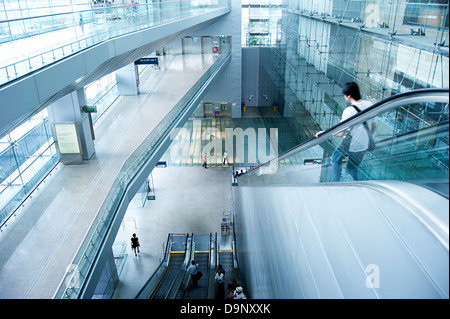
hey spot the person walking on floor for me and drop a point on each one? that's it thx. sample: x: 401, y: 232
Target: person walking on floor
x: 135, y: 244
x: 225, y: 158
x: 205, y: 158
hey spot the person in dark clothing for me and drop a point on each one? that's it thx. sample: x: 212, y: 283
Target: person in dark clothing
x: 194, y: 271
x: 219, y: 280
x: 231, y: 288
x: 135, y: 244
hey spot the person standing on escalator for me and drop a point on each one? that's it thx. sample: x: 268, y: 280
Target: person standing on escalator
x: 196, y: 274
x: 356, y: 140
x: 219, y: 280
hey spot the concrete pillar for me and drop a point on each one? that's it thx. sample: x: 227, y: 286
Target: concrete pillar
x: 108, y: 279
x: 69, y: 110
x: 128, y: 80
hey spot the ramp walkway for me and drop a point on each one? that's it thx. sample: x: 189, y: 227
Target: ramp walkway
x: 41, y: 243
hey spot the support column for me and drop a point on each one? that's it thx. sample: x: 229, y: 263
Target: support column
x: 108, y: 279
x: 128, y: 80
x: 76, y: 126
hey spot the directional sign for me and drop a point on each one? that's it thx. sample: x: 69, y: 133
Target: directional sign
x: 147, y: 61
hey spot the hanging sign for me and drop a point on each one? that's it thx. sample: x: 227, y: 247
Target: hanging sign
x: 147, y: 61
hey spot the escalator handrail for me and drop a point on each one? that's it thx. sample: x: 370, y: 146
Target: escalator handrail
x: 212, y: 265
x: 174, y: 286
x: 186, y: 277
x: 181, y: 274
x: 214, y: 258
x: 415, y: 96
x: 166, y: 254
x: 237, y: 273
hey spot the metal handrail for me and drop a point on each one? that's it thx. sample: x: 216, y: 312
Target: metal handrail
x: 415, y: 96
x: 180, y: 276
x: 214, y: 253
x: 166, y: 253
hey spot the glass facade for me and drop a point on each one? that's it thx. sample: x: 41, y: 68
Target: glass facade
x: 34, y: 34
x: 386, y: 47
x: 260, y: 22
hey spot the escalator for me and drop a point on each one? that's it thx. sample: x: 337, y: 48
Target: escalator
x: 171, y: 281
x: 226, y: 259
x: 382, y: 233
x: 175, y: 266
x: 202, y: 256
x: 164, y: 279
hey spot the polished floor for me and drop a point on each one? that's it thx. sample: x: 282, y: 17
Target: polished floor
x: 39, y: 243
x: 188, y: 200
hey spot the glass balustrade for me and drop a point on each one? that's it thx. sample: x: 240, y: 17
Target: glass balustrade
x: 412, y: 144
x: 28, y: 44
x: 27, y: 154
x: 75, y: 279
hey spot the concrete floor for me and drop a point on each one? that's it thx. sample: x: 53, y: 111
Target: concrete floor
x: 188, y: 200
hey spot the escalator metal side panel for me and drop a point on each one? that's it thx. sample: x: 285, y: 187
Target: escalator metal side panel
x: 176, y: 259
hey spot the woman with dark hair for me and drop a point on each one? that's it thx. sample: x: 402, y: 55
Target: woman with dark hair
x: 135, y: 244
x: 356, y: 140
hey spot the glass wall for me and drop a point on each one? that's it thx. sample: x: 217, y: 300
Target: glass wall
x: 17, y: 9
x: 260, y: 22
x: 386, y: 47
x: 102, y: 93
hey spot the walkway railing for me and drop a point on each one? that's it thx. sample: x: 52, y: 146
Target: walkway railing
x: 28, y: 44
x: 75, y: 281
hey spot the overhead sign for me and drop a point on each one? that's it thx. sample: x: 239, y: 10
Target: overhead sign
x: 147, y: 61
x: 67, y: 137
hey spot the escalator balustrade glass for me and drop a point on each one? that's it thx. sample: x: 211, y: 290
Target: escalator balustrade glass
x: 412, y: 143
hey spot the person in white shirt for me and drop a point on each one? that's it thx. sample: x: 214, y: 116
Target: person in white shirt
x: 239, y: 293
x: 225, y: 158
x: 359, y: 142
x: 219, y: 280
x: 193, y: 270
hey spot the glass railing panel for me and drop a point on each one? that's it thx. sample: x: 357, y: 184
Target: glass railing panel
x: 26, y: 156
x: 412, y: 143
x: 28, y: 44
